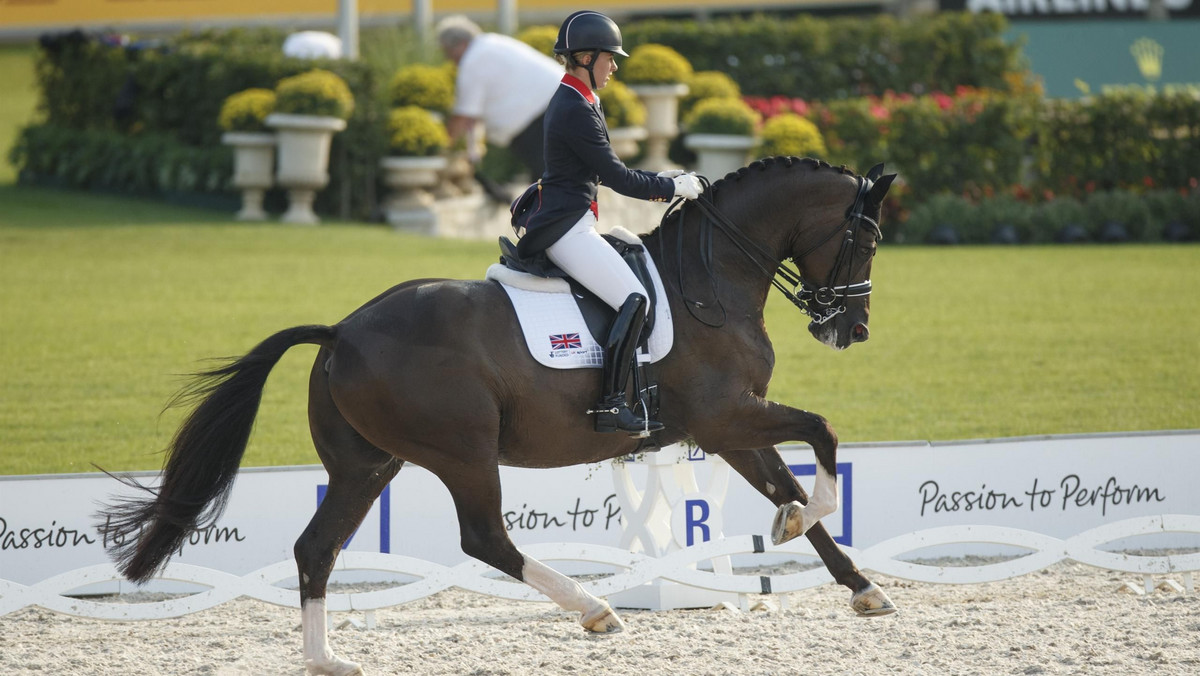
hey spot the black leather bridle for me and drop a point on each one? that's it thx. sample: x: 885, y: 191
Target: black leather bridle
x: 820, y: 302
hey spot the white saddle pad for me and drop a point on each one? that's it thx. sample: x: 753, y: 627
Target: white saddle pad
x: 554, y: 329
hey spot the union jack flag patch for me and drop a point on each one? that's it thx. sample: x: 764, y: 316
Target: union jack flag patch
x: 565, y: 341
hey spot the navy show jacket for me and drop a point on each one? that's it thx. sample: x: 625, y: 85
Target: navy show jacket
x: 579, y: 158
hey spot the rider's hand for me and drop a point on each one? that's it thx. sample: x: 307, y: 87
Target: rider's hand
x: 687, y: 186
x: 671, y: 173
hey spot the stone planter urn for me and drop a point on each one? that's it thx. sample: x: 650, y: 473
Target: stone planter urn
x: 719, y: 154
x: 253, y: 169
x: 303, y: 162
x: 624, y: 141
x: 409, y: 202
x: 662, y: 121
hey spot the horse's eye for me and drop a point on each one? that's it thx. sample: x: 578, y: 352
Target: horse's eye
x: 867, y: 250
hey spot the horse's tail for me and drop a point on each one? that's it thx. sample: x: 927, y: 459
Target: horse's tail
x: 202, y: 460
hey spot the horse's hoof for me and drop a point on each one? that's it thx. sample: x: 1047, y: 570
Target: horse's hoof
x: 788, y: 524
x: 872, y: 602
x: 603, y: 621
x: 332, y: 667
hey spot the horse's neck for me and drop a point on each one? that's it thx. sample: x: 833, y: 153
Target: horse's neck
x: 697, y: 259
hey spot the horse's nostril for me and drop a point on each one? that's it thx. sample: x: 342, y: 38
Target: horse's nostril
x: 861, y: 333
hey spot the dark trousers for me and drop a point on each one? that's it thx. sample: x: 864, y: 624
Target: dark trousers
x: 529, y: 147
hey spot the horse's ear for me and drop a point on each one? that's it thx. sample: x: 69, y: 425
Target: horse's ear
x: 875, y: 172
x: 880, y: 188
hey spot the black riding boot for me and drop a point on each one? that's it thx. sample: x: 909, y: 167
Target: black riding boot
x: 613, y: 413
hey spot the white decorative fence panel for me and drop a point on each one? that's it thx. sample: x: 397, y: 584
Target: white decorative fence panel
x: 634, y: 570
x: 673, y: 520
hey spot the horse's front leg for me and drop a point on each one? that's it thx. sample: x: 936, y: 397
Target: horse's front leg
x: 769, y: 475
x: 758, y: 423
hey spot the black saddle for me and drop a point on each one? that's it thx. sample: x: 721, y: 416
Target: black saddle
x: 596, y: 313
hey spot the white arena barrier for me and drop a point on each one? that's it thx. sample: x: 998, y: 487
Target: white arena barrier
x: 636, y: 570
x: 680, y: 528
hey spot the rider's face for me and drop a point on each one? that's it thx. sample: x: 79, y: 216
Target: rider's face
x: 606, y: 65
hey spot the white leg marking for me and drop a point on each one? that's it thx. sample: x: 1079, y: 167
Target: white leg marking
x: 595, y: 614
x: 793, y: 519
x: 822, y: 502
x: 318, y: 657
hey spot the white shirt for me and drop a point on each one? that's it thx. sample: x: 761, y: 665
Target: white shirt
x: 504, y: 82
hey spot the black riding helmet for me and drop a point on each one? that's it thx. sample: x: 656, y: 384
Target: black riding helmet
x: 588, y: 31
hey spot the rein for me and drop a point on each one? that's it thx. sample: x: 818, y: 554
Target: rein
x: 815, y: 301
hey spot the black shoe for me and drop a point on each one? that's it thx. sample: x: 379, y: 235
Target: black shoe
x: 614, y: 415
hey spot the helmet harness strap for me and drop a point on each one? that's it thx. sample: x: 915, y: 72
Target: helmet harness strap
x: 589, y: 67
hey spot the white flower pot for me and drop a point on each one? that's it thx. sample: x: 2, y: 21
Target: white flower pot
x: 253, y: 170
x: 662, y: 121
x: 719, y: 154
x: 303, y: 160
x: 409, y: 201
x: 624, y: 141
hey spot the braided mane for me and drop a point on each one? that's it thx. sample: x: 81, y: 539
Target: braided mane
x: 768, y: 163
x: 757, y: 167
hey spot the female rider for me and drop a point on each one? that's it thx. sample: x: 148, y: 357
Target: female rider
x: 562, y: 221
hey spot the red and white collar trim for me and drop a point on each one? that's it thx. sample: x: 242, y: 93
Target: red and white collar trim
x: 579, y: 86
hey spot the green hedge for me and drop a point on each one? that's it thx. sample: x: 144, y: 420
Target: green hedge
x: 980, y: 143
x: 100, y: 160
x: 821, y: 59
x: 112, y: 112
x: 1129, y: 138
x: 1100, y: 217
x: 176, y: 88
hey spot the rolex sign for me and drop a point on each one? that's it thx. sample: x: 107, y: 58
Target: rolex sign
x: 1072, y: 9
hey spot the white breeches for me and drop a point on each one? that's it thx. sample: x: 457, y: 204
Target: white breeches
x: 584, y: 255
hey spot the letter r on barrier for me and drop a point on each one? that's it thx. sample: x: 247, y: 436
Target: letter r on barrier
x: 697, y: 512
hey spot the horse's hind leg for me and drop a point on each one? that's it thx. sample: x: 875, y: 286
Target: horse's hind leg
x: 358, y: 473
x: 476, y: 493
x: 769, y: 475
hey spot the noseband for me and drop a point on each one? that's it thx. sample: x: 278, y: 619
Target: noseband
x: 820, y: 302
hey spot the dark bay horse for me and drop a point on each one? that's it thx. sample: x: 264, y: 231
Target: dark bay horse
x: 436, y: 373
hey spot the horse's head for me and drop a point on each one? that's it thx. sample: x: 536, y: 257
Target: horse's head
x: 835, y: 265
x: 826, y: 221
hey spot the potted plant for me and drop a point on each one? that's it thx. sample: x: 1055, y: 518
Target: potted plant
x: 428, y: 87
x: 243, y: 118
x: 1062, y: 220
x: 707, y: 84
x: 416, y: 140
x: 657, y: 74
x: 625, y: 116
x: 309, y: 109
x: 938, y: 220
x: 721, y: 132
x: 1002, y: 219
x: 541, y: 38
x: 1119, y: 216
x: 790, y: 135
x: 432, y: 88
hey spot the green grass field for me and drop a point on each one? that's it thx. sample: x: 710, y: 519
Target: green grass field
x: 104, y: 300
